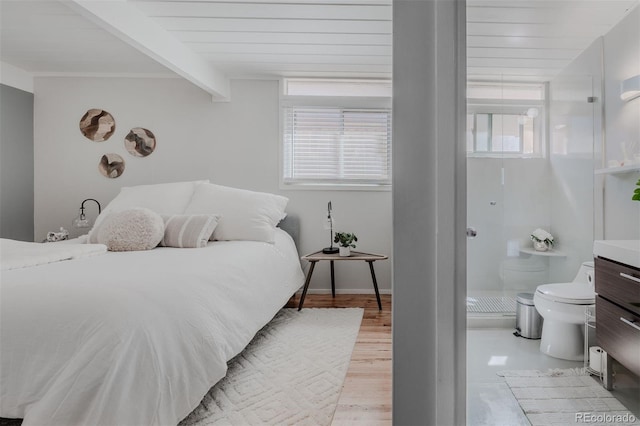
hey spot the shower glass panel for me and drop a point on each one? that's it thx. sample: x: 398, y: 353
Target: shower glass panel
x: 507, y: 195
x: 530, y: 162
x: 575, y: 134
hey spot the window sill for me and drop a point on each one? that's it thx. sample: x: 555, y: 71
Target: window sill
x: 504, y: 155
x: 333, y: 187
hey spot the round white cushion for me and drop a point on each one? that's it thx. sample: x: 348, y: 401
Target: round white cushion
x: 132, y: 230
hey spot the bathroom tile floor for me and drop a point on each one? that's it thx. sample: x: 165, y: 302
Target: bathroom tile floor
x: 489, y: 399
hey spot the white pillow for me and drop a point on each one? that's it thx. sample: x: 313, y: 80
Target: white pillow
x: 101, y: 221
x: 188, y: 231
x: 162, y: 198
x: 245, y: 215
x: 132, y: 230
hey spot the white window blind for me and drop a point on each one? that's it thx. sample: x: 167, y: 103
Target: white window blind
x: 327, y: 145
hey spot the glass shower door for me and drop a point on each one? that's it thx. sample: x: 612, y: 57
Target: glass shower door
x: 507, y: 183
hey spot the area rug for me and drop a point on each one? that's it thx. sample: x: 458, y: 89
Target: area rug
x: 291, y: 373
x: 563, y: 397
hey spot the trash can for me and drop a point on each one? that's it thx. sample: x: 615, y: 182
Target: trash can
x: 528, y: 320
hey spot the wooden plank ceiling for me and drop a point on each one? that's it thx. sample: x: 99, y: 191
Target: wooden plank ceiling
x: 283, y: 37
x: 48, y: 38
x: 533, y: 40
x: 527, y: 40
x: 522, y: 40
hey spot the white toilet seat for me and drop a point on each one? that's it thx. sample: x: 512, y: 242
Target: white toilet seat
x: 568, y: 293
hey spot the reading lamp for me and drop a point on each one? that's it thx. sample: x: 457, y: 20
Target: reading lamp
x: 328, y: 224
x: 81, y: 220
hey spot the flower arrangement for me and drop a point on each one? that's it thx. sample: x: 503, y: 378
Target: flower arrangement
x: 52, y: 237
x: 542, y: 236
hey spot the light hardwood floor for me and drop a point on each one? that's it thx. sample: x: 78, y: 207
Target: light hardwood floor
x: 366, y: 394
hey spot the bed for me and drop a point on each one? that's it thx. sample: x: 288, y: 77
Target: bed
x: 136, y: 337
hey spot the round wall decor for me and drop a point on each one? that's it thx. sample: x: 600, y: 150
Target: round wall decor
x: 97, y: 125
x: 111, y: 166
x: 140, y: 142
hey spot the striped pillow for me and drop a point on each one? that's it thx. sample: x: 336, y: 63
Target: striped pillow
x: 188, y: 231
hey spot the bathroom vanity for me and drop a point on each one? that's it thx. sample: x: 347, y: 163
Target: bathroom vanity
x: 617, y: 284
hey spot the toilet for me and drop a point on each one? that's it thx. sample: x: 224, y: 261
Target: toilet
x: 563, y: 307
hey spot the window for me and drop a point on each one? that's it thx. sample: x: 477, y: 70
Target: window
x: 337, y: 88
x: 336, y: 140
x: 505, y: 119
x: 337, y: 145
x: 501, y: 133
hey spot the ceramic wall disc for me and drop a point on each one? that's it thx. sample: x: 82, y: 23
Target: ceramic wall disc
x: 140, y: 142
x: 111, y: 166
x: 97, y: 125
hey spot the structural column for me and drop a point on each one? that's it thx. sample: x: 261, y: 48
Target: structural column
x: 429, y: 212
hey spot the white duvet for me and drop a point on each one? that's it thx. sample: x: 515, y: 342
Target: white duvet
x: 20, y: 254
x: 134, y: 338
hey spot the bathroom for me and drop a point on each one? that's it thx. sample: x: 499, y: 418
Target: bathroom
x: 573, y: 176
x: 582, y: 127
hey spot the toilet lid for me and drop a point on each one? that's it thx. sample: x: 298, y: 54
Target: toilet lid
x: 568, y: 293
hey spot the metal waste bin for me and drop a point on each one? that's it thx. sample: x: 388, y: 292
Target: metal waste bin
x: 528, y: 320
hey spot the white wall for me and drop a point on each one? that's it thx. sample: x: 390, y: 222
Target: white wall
x: 234, y: 144
x: 16, y: 77
x: 16, y: 164
x: 622, y: 124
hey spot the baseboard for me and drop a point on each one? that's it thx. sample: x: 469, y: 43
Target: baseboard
x: 346, y: 291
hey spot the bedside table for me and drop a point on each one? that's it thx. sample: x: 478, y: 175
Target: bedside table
x: 355, y: 255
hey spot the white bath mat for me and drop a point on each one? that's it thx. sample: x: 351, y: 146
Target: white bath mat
x: 563, y: 397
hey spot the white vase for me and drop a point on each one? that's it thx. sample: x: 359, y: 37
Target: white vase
x: 345, y: 251
x: 540, y: 246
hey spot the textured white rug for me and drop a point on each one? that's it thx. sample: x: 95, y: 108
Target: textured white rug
x: 291, y: 373
x: 564, y: 397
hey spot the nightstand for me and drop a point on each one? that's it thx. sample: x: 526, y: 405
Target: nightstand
x: 355, y: 255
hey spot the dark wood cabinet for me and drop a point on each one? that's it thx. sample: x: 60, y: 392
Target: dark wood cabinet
x: 618, y: 314
x: 618, y: 283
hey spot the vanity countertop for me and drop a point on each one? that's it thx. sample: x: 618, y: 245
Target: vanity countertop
x: 623, y: 251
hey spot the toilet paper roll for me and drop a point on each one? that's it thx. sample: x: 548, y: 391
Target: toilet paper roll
x: 595, y: 358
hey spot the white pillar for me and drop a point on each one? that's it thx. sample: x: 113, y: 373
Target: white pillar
x: 429, y: 209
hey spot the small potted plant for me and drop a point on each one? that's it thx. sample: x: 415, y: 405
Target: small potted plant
x: 636, y: 192
x: 346, y: 241
x: 542, y: 240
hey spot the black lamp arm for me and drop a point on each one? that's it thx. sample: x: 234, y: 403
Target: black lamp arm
x: 89, y: 199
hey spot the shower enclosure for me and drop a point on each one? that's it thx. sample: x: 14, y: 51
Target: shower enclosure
x: 529, y: 154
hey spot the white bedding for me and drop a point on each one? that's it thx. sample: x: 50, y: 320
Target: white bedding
x: 134, y: 338
x: 20, y: 254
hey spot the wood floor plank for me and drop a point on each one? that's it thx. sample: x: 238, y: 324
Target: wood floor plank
x: 366, y: 392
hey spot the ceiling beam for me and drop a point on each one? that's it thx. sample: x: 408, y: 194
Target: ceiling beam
x: 130, y: 25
